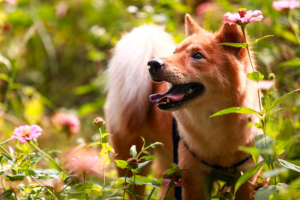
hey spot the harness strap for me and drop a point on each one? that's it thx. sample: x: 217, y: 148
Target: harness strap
x: 217, y: 167
x: 176, y: 139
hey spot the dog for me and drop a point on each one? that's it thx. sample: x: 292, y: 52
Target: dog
x: 190, y: 82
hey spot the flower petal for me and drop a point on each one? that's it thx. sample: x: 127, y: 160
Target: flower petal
x: 256, y: 18
x: 166, y: 182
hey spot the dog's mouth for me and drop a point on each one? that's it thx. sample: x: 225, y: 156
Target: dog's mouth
x: 177, y: 95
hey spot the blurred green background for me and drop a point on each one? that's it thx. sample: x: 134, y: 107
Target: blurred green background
x: 54, y: 54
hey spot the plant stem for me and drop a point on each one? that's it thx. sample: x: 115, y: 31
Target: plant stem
x: 142, y: 152
x: 7, y: 152
x: 84, y: 178
x: 294, y: 27
x: 100, y: 136
x: 167, y: 190
x: 275, y: 178
x: 45, y: 154
x: 250, y: 182
x: 6, y: 141
x: 133, y: 184
x: 150, y: 194
x: 258, y: 92
x: 125, y: 183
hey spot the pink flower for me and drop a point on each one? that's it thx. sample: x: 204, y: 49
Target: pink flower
x: 23, y: 133
x: 85, y: 164
x: 61, y: 9
x: 242, y: 17
x: 265, y: 85
x: 166, y: 182
x: 203, y: 8
x: 285, y: 4
x: 13, y: 2
x: 173, y: 179
x: 68, y: 121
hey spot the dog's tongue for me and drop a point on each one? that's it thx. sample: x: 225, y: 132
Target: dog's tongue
x: 175, y: 95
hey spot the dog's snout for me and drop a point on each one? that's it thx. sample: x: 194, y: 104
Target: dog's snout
x: 154, y: 66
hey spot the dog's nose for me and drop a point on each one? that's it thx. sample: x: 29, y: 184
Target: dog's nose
x: 154, y: 66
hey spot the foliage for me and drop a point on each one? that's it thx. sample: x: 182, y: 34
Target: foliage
x: 47, y: 45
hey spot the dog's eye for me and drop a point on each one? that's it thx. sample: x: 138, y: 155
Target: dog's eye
x: 198, y: 56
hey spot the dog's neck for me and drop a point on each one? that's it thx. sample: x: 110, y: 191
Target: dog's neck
x: 220, y: 136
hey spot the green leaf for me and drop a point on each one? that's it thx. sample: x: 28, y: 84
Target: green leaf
x: 10, y: 160
x: 121, y: 164
x: 5, y: 61
x: 170, y: 171
x: 17, y: 177
x: 133, y: 151
x: 142, y: 180
x: 264, y: 144
x: 289, y: 165
x: 4, y: 77
x: 291, y: 63
x: 121, y: 181
x: 259, y: 39
x: 104, y: 135
x: 274, y: 103
x: 265, y: 192
x: 131, y: 191
x: 149, y: 157
x: 257, y: 125
x: 236, y: 110
x: 247, y: 175
x: 252, y: 150
x: 141, y: 166
x: 255, y: 76
x: 174, y: 166
x: 279, y: 147
x: 6, y: 194
x: 115, y: 194
x: 92, y: 144
x: 143, y: 147
x: 274, y: 172
x: 243, y: 45
x: 90, y: 189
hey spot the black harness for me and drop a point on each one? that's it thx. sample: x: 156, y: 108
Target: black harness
x: 176, y: 138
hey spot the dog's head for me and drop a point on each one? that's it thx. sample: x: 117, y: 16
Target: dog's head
x: 201, y: 70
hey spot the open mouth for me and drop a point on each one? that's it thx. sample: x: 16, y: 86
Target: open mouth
x: 177, y: 95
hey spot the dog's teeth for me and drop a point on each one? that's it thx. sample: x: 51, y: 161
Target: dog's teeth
x: 168, y: 100
x: 190, y: 91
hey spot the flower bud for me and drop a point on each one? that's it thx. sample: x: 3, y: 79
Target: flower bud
x: 157, y: 144
x: 133, y: 163
x: 99, y: 122
x: 272, y: 76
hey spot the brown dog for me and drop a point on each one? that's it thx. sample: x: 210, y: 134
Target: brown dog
x: 202, y: 78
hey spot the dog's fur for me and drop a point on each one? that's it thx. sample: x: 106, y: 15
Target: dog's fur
x: 222, y: 71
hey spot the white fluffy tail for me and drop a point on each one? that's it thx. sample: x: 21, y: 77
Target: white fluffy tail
x: 129, y: 85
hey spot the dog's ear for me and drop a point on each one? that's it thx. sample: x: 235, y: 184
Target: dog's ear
x: 191, y: 27
x: 231, y: 34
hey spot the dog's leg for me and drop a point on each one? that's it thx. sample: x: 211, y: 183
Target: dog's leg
x: 122, y: 143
